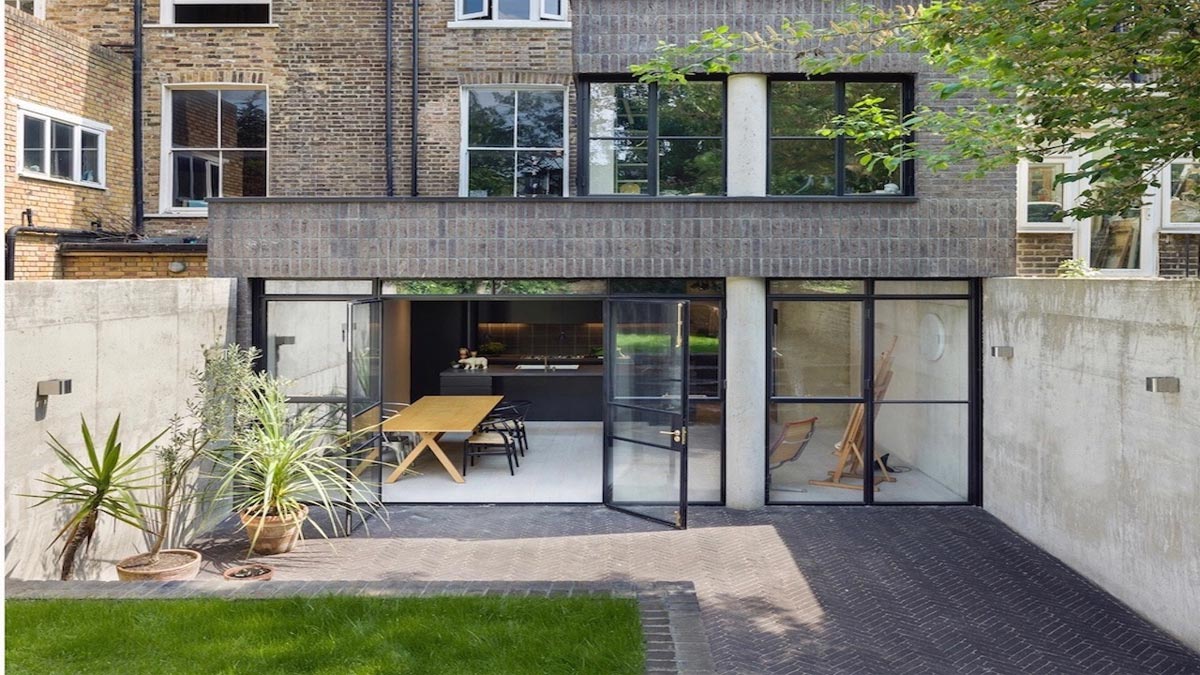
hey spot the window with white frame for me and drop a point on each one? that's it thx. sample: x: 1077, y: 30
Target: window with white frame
x: 1181, y: 190
x: 34, y: 7
x: 514, y: 142
x: 204, y: 12
x: 511, y: 10
x: 215, y: 145
x: 1120, y: 243
x: 60, y: 146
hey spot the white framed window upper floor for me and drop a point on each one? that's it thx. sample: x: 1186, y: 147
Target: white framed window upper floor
x: 510, y: 14
x: 215, y: 12
x: 1179, y: 196
x: 60, y: 147
x: 214, y: 144
x: 1121, y: 244
x: 514, y: 141
x: 34, y: 7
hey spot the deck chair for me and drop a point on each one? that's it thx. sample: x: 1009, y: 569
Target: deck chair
x: 849, y: 450
x: 788, y: 447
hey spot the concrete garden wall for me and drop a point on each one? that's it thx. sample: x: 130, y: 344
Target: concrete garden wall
x: 128, y: 348
x: 1078, y: 456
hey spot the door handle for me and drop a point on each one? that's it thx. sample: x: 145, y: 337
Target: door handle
x: 678, y: 435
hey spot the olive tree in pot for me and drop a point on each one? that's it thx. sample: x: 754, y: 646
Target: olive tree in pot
x: 102, y: 484
x: 279, y: 463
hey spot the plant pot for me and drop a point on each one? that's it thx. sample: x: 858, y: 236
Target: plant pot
x: 175, y: 564
x: 254, y: 572
x: 270, y: 535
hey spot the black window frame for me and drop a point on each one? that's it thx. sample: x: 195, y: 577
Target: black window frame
x: 907, y: 84
x: 583, y: 142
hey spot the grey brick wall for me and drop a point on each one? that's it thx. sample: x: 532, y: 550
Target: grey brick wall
x: 452, y: 237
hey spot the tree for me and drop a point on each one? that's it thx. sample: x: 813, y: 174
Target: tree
x: 1114, y: 81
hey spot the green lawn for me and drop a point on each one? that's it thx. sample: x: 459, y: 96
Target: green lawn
x: 340, y: 635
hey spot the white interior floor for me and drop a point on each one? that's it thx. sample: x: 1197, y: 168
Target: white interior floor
x: 562, y: 465
x: 789, y: 483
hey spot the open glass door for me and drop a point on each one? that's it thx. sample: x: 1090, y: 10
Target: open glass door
x: 364, y: 400
x: 645, y: 430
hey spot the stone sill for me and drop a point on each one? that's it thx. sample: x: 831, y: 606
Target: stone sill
x: 210, y: 26
x: 490, y: 23
x: 62, y: 181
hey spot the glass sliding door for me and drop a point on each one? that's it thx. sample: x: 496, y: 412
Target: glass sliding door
x: 364, y: 400
x: 646, y: 392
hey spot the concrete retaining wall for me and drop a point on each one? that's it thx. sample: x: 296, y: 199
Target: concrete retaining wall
x: 128, y: 348
x: 1078, y: 456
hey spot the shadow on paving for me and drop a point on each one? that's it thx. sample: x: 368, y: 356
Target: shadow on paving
x: 787, y: 589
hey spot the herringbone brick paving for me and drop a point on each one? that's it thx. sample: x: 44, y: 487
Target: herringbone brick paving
x: 790, y: 590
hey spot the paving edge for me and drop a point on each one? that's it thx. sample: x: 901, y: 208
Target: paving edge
x: 670, y: 613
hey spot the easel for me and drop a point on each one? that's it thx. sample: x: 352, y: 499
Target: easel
x: 849, y: 450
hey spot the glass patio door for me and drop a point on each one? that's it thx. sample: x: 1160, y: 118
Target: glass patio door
x: 645, y: 421
x: 364, y: 400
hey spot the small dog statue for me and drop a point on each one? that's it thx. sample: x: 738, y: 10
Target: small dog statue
x: 474, y: 363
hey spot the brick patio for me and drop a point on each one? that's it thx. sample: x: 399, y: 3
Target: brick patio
x: 786, y: 590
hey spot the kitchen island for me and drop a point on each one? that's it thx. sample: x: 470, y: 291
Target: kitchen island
x: 563, y: 392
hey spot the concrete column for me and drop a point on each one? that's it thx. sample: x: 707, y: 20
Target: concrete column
x: 746, y: 152
x: 745, y: 392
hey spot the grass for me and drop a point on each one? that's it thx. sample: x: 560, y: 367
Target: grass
x: 343, y: 635
x: 658, y: 344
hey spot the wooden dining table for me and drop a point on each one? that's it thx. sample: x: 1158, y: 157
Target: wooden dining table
x: 432, y: 417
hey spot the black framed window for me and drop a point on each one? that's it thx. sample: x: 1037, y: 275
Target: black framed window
x: 805, y: 163
x: 216, y: 12
x: 650, y: 139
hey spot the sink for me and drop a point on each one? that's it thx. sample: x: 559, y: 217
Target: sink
x: 530, y: 366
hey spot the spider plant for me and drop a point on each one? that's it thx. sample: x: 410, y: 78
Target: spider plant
x: 279, y: 462
x: 102, y: 485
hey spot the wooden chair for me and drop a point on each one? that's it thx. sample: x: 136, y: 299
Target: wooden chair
x: 849, y: 450
x: 788, y: 447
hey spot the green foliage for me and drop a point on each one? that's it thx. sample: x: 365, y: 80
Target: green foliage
x: 1075, y: 268
x: 363, y: 636
x: 636, y: 343
x: 101, y: 485
x: 1109, y: 79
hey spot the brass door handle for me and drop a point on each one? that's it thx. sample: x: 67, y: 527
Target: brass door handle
x: 676, y: 435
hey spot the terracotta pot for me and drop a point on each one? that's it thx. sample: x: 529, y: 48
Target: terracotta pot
x: 232, y: 573
x: 273, y: 534
x: 132, y: 568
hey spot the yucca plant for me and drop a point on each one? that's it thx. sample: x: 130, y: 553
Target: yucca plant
x: 104, y: 484
x: 278, y: 463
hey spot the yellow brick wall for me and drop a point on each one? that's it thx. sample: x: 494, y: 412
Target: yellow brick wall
x: 37, y: 258
x: 79, y: 265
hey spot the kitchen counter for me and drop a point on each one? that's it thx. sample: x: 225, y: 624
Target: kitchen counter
x: 581, y: 370
x: 556, y: 395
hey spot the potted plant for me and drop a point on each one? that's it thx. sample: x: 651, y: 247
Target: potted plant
x: 278, y: 463
x: 103, y: 484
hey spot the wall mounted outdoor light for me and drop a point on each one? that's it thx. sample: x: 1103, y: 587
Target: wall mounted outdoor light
x: 53, y: 387
x: 176, y: 266
x: 1162, y: 385
x: 1002, y: 352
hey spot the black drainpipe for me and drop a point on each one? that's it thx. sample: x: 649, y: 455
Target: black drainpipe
x: 10, y: 238
x: 139, y: 208
x: 388, y: 70
x: 416, y: 36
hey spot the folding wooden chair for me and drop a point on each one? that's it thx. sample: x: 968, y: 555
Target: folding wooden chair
x: 789, y: 446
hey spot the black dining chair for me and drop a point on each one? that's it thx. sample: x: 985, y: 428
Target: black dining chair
x: 490, y: 442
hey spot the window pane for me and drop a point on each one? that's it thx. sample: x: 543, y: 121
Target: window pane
x: 618, y: 167
x: 231, y: 13
x: 921, y: 350
x: 1185, y: 192
x: 691, y: 167
x: 540, y: 119
x: 890, y: 92
x: 693, y: 109
x: 490, y: 173
x: 1045, y: 197
x: 89, y: 157
x: 704, y: 451
x: 472, y: 6
x: 35, y: 144
x: 875, y: 180
x: 243, y: 174
x: 801, y: 108
x: 512, y: 9
x: 540, y: 174
x: 922, y: 287
x: 619, y: 110
x: 490, y: 118
x: 802, y: 167
x: 194, y: 179
x: 243, y: 118
x: 317, y: 287
x: 554, y: 7
x: 306, y: 346
x: 802, y: 446
x: 817, y: 349
x: 193, y: 118
x: 1116, y: 241
x: 817, y: 286
x: 62, y: 142
x: 924, y: 449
